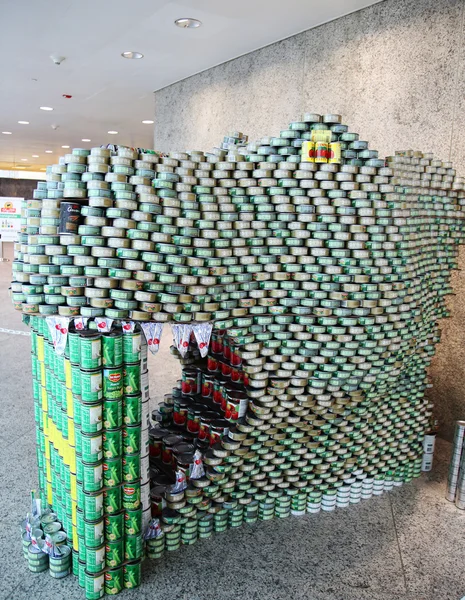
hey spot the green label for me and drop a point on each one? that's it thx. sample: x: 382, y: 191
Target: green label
x: 91, y: 386
x: 112, y: 414
x: 92, y: 477
x: 91, y: 417
x: 132, y: 410
x: 95, y: 559
x: 131, y: 379
x: 131, y: 347
x: 131, y: 496
x: 113, y: 500
x: 113, y: 383
x: 131, y: 439
x: 133, y: 522
x: 114, y: 526
x: 93, y: 533
x: 112, y: 350
x: 93, y: 506
x: 114, y: 553
x: 91, y: 352
x: 112, y: 443
x: 92, y: 448
x: 133, y: 547
x: 114, y: 581
x: 112, y: 472
x: 132, y: 575
x: 131, y: 468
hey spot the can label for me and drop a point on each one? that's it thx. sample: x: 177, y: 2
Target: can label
x: 334, y: 153
x: 91, y: 386
x: 132, y: 575
x: 114, y: 526
x: 113, y: 500
x: 112, y: 472
x: 76, y: 380
x: 131, y: 379
x: 112, y: 443
x: 131, y: 468
x: 133, y: 522
x: 114, y: 553
x: 91, y: 352
x: 112, y: 350
x: 70, y: 216
x: 91, y: 417
x: 321, y: 152
x: 131, y: 496
x: 112, y: 414
x: 308, y: 152
x: 131, y: 439
x: 92, y: 448
x: 132, y: 410
x: 113, y: 383
x: 114, y: 581
x: 93, y: 533
x: 95, y: 559
x: 93, y: 506
x: 131, y: 347
x: 74, y: 348
x: 133, y: 547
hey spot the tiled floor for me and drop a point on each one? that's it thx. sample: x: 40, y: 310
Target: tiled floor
x: 405, y: 545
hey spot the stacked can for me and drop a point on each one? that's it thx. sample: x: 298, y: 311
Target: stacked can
x: 456, y: 477
x: 428, y: 452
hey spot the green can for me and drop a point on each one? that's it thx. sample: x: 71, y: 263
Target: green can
x: 113, y: 383
x: 112, y: 349
x: 82, y: 573
x: 112, y: 472
x: 95, y: 559
x: 90, y: 350
x: 133, y: 547
x: 131, y: 468
x: 132, y: 410
x: 74, y: 347
x: 131, y: 347
x: 76, y: 380
x: 114, y: 526
x: 133, y: 522
x: 91, y: 386
x: 112, y: 443
x: 132, y: 574
x: 91, y: 417
x: 94, y: 533
x: 93, y: 506
x: 114, y: 581
x: 113, y: 500
x: 131, y: 439
x: 92, y: 477
x: 131, y: 379
x: 131, y: 496
x: 92, y: 448
x: 112, y: 414
x: 114, y: 553
x: 94, y: 585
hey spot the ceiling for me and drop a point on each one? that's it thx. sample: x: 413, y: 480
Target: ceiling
x: 110, y: 92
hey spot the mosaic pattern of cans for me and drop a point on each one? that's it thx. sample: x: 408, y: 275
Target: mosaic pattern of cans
x: 325, y: 276
x: 92, y: 417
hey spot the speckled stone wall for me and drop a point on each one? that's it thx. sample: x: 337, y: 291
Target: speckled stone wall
x: 395, y: 71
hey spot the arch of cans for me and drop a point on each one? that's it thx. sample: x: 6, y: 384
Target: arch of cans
x: 323, y: 282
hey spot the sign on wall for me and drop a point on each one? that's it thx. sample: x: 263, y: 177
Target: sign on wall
x: 10, y: 218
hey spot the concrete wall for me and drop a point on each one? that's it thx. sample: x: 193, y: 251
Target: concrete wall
x: 395, y: 71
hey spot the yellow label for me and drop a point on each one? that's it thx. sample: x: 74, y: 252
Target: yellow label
x: 71, y: 432
x: 75, y: 538
x: 323, y: 135
x: 49, y: 494
x: 74, y: 514
x: 69, y: 403
x: 308, y: 152
x: 40, y: 348
x: 47, y: 450
x: 73, y: 487
x: 44, y: 399
x: 42, y: 374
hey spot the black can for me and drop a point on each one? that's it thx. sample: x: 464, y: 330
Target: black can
x: 70, y: 217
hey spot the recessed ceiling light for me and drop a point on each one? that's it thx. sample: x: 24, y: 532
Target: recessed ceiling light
x: 147, y: 122
x: 65, y: 146
x: 35, y: 156
x: 20, y: 167
x: 23, y: 122
x: 6, y: 132
x: 112, y: 132
x: 187, y: 23
x: 45, y: 108
x: 85, y: 140
x: 49, y: 151
x: 24, y: 159
x: 133, y: 55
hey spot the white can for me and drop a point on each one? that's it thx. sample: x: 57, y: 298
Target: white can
x: 429, y: 443
x: 427, y: 462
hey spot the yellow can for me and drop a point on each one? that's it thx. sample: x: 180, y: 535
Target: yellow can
x: 308, y: 152
x: 335, y: 153
x: 321, y: 152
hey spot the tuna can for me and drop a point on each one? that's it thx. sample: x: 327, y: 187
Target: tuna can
x: 114, y: 581
x: 132, y: 410
x: 131, y: 347
x: 131, y: 379
x: 113, y: 383
x: 114, y: 552
x: 70, y: 216
x: 112, y: 414
x: 112, y: 443
x: 60, y: 566
x: 95, y: 559
x: 114, y: 526
x: 94, y: 585
x: 91, y: 417
x: 131, y: 467
x: 91, y: 350
x: 93, y: 506
x: 132, y: 439
x: 132, y: 574
x: 133, y: 522
x: 112, y: 350
x: 112, y: 472
x: 92, y: 477
x: 92, y: 448
x: 321, y: 152
x: 91, y: 386
x: 131, y: 496
x: 132, y: 547
x: 113, y: 500
x: 93, y: 533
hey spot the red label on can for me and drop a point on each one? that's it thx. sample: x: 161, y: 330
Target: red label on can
x: 114, y: 377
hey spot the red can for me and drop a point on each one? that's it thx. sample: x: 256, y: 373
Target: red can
x: 217, y: 342
x: 218, y: 428
x: 225, y: 368
x: 218, y: 386
x: 207, y: 385
x: 156, y: 436
x: 226, y: 349
x: 156, y: 500
x: 205, y: 421
x: 212, y: 363
x: 190, y: 382
x: 236, y: 374
x: 236, y: 405
x: 236, y: 359
x: 180, y: 411
x: 193, y: 419
x: 168, y: 442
